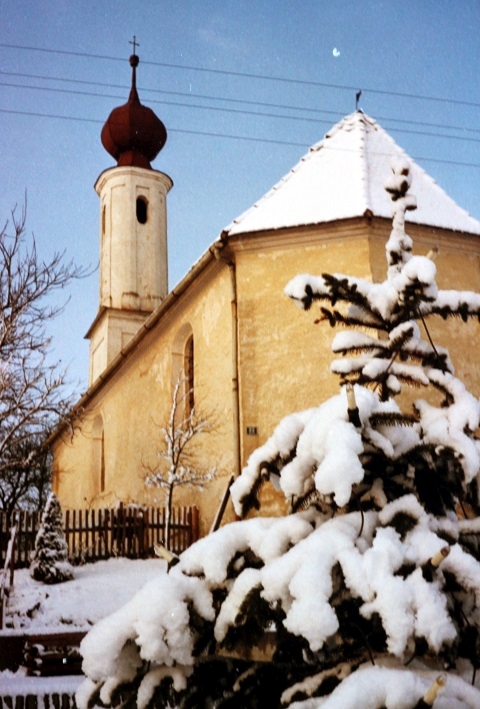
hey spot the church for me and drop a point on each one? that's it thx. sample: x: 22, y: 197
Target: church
x: 226, y: 334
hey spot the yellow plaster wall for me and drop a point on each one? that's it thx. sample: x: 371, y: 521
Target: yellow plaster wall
x: 135, y: 404
x: 284, y: 358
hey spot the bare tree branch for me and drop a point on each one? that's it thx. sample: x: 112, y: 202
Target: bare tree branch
x: 32, y: 396
x: 177, y: 462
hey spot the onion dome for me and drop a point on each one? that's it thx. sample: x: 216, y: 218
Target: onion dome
x: 133, y: 134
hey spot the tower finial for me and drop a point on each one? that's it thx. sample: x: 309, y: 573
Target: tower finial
x: 135, y: 44
x: 134, y: 61
x: 357, y: 98
x: 133, y: 134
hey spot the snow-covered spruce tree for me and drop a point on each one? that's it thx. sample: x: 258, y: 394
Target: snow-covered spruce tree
x: 50, y: 559
x: 367, y: 595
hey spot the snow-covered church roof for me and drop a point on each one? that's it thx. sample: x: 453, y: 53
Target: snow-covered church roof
x: 343, y: 177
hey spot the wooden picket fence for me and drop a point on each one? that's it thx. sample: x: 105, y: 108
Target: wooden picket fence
x: 55, y: 700
x: 93, y: 535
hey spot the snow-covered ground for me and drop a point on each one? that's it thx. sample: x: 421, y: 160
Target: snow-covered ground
x: 95, y: 591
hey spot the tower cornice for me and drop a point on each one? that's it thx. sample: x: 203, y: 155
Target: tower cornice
x: 130, y: 171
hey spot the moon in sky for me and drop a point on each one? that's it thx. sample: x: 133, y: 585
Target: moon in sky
x: 336, y: 52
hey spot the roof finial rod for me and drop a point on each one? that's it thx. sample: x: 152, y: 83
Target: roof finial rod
x: 134, y: 60
x: 135, y: 44
x: 357, y: 98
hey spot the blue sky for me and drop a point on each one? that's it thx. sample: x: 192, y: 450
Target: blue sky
x: 243, y: 87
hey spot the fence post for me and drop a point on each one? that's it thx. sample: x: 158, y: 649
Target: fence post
x: 66, y: 529
x: 24, y: 537
x: 13, y: 541
x: 195, y: 522
x: 30, y: 525
x: 108, y: 526
x: 222, y: 507
x: 9, y: 566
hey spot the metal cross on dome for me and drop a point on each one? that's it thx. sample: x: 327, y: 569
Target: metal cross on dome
x: 135, y: 43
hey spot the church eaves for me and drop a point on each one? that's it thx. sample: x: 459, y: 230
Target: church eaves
x: 343, y: 177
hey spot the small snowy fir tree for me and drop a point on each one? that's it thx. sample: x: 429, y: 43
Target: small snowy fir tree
x: 50, y: 559
x: 366, y: 596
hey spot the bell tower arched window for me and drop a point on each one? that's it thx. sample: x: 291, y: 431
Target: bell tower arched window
x: 142, y: 210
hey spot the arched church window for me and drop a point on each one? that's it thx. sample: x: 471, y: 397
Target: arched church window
x: 104, y: 218
x: 102, y: 463
x: 189, y: 376
x: 142, y: 210
x: 98, y: 456
x: 183, y: 370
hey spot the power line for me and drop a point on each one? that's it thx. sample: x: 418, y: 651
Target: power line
x: 318, y: 84
x: 209, y: 97
x: 238, y: 111
x: 35, y: 114
x: 223, y: 109
x: 227, y: 136
x: 249, y: 75
x: 242, y: 102
x: 63, y: 52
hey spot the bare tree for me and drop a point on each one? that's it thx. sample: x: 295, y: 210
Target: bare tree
x: 26, y: 475
x: 177, y: 462
x: 32, y: 389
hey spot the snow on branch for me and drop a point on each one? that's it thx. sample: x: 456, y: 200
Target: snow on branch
x: 367, y: 598
x: 304, y: 452
x: 309, y: 569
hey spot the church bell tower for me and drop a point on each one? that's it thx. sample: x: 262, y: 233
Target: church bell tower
x: 133, y: 229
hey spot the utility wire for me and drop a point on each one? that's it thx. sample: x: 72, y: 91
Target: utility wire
x: 237, y: 101
x: 209, y: 97
x: 249, y: 75
x: 35, y: 114
x: 176, y: 103
x: 228, y: 136
x: 237, y: 111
